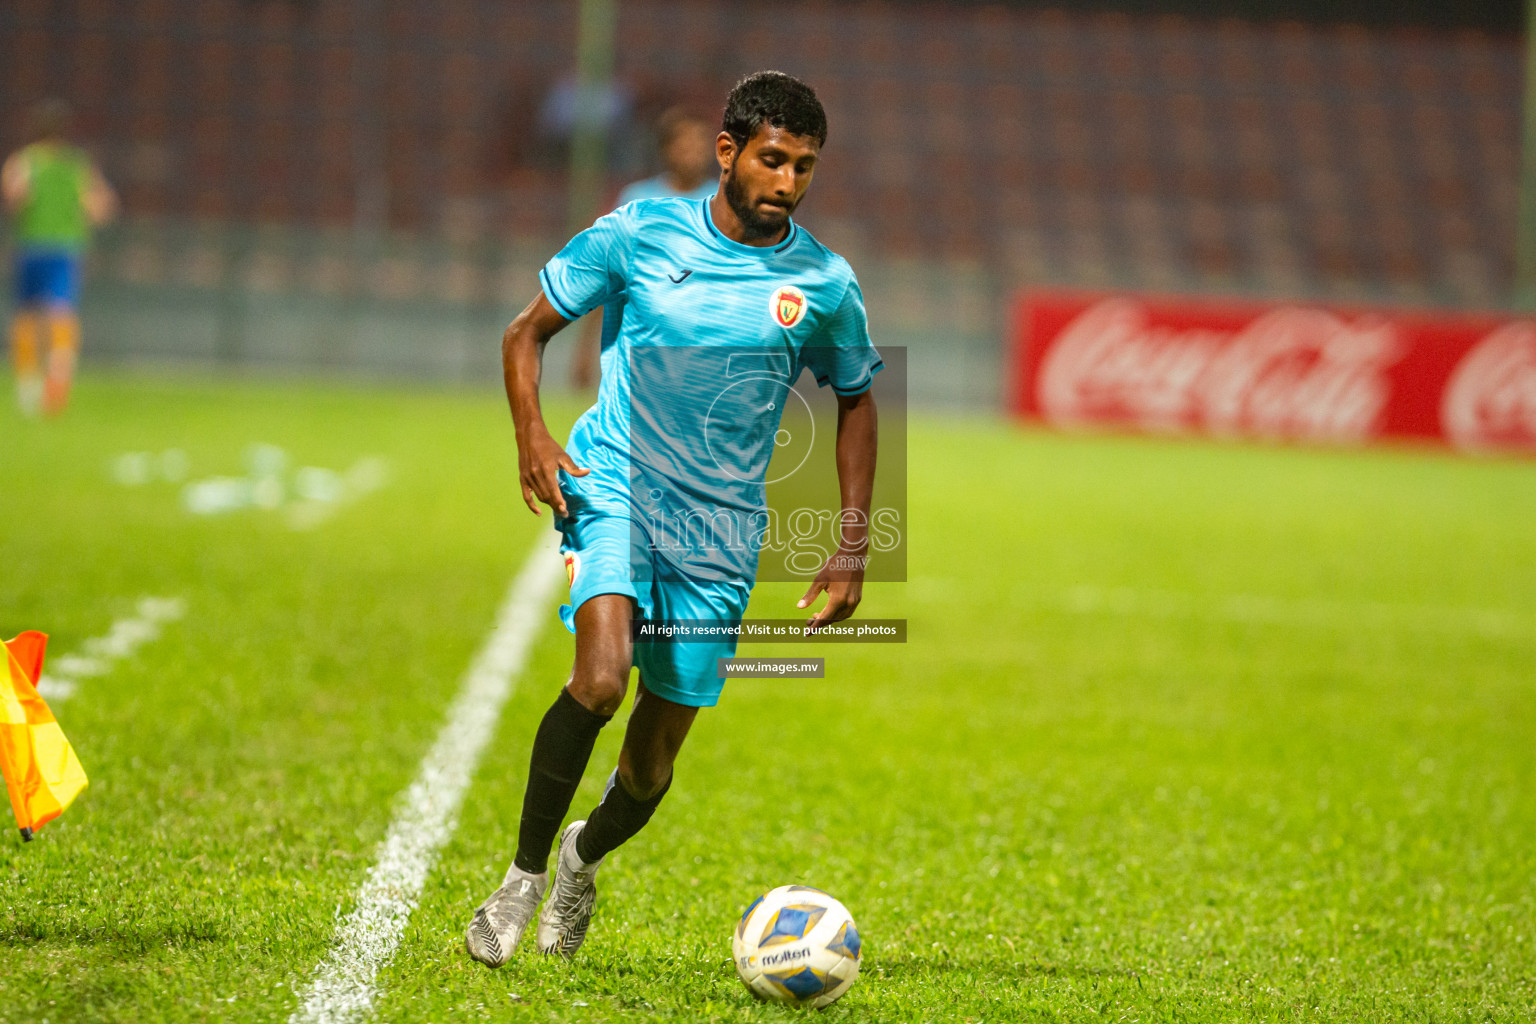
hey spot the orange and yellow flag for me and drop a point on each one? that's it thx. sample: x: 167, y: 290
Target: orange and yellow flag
x: 41, y: 771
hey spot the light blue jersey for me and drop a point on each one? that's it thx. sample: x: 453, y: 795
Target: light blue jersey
x: 710, y: 334
x: 647, y: 188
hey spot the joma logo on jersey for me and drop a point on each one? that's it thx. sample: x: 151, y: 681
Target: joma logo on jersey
x: 788, y: 306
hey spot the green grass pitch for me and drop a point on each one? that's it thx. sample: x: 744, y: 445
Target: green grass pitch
x: 1184, y: 732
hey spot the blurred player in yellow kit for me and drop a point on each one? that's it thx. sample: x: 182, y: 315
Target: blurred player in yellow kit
x: 55, y: 195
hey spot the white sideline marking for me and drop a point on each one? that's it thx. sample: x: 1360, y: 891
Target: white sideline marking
x: 427, y: 813
x: 99, y: 653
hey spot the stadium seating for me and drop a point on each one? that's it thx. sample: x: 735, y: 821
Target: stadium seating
x: 988, y: 144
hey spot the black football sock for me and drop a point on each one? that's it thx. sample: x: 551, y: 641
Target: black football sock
x: 615, y: 821
x: 561, y: 749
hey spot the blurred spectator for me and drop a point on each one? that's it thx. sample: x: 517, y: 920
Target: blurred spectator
x: 609, y: 107
x: 55, y: 195
x: 686, y: 145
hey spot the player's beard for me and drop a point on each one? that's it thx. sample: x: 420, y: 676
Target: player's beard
x: 753, y: 224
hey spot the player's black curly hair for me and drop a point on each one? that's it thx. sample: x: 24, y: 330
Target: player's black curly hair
x: 772, y: 97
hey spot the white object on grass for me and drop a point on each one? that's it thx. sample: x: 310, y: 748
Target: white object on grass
x: 797, y: 945
x: 100, y: 653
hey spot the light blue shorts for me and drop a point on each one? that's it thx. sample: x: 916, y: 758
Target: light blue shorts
x: 609, y: 553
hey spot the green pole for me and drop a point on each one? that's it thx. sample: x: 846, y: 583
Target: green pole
x: 1525, y: 236
x: 594, y: 72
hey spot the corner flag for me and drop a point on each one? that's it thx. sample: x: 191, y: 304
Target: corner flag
x: 41, y: 772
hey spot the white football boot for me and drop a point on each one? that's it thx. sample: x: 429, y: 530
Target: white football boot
x: 29, y: 393
x: 563, y: 922
x: 500, y: 920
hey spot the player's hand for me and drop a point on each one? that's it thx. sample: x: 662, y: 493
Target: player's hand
x: 539, y: 463
x: 842, y: 578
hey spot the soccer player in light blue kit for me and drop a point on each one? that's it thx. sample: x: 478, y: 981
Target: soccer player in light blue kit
x: 659, y: 495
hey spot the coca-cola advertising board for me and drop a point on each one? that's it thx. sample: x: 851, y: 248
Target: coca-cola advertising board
x: 1299, y: 371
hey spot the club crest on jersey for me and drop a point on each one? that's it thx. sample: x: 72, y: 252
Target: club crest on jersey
x: 572, y: 566
x: 788, y: 305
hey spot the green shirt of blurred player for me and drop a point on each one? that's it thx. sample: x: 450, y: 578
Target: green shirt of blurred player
x: 687, y: 147
x: 52, y: 213
x: 55, y: 196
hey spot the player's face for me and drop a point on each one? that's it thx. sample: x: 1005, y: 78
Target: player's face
x: 766, y: 179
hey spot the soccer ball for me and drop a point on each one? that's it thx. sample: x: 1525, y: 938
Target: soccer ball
x: 797, y: 945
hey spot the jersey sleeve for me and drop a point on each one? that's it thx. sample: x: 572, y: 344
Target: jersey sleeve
x: 842, y: 354
x: 592, y: 268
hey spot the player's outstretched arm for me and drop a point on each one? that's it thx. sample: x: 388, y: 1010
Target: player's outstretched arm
x: 539, y: 456
x: 100, y: 200
x: 842, y: 576
x: 14, y: 180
